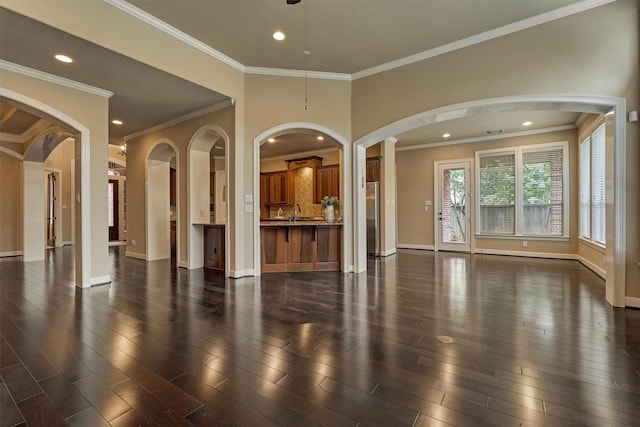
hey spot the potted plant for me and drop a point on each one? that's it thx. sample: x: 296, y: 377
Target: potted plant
x: 329, y: 203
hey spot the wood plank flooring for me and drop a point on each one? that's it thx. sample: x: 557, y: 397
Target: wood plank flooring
x: 535, y: 343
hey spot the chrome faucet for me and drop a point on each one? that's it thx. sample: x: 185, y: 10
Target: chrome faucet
x: 296, y: 207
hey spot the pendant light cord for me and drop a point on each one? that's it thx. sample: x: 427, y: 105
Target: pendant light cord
x: 306, y: 53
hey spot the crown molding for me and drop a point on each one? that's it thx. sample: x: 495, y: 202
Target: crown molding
x: 11, y: 137
x: 281, y: 72
x: 189, y: 116
x: 487, y: 138
x: 533, y: 21
x: 174, y: 32
x: 11, y: 152
x: 514, y: 27
x: 40, y: 75
x: 34, y: 130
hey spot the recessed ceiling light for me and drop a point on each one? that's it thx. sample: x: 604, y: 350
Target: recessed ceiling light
x: 63, y: 58
x: 279, y: 35
x: 116, y: 122
x: 271, y: 140
x: 527, y: 123
x: 320, y: 138
x: 446, y: 135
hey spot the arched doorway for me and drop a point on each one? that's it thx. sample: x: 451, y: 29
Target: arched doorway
x: 616, y: 226
x: 346, y: 264
x: 33, y: 187
x: 161, y: 215
x: 208, y: 192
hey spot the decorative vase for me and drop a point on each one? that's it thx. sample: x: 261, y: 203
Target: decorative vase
x: 329, y: 214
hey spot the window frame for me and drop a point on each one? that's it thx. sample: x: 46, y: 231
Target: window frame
x: 518, y: 152
x: 588, y: 138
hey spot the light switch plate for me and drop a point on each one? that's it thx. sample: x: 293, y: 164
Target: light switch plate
x: 248, y: 198
x: 248, y: 208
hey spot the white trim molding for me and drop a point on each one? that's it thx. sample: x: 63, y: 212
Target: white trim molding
x: 189, y: 116
x: 100, y: 280
x: 135, y: 255
x: 11, y: 153
x: 591, y: 266
x: 389, y: 252
x: 26, y: 71
x: 10, y: 253
x: 414, y: 246
x: 548, y: 255
x: 236, y: 274
x: 632, y: 302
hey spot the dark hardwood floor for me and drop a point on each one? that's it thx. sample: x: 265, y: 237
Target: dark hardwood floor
x: 535, y: 343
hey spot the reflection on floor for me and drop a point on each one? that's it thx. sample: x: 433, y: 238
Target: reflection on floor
x: 532, y: 342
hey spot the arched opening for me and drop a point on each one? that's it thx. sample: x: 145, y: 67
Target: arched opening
x: 289, y: 135
x: 616, y: 223
x: 208, y: 164
x: 160, y: 215
x: 33, y: 185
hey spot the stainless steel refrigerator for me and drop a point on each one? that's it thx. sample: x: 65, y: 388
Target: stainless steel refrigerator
x: 373, y: 219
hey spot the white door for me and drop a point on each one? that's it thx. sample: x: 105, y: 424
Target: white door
x: 453, y: 209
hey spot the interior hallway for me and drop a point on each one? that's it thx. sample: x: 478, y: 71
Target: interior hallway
x: 535, y: 342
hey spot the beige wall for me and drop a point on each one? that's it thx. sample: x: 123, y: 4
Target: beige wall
x: 90, y: 111
x: 137, y: 151
x: 60, y: 158
x: 273, y: 101
x: 415, y: 172
x: 11, y: 206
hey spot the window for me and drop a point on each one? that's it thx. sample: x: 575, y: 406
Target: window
x: 592, y: 187
x: 522, y: 191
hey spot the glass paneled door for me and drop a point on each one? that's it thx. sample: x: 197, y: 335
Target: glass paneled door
x: 453, y: 208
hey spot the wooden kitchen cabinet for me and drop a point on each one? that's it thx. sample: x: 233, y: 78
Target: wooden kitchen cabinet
x: 278, y: 188
x: 373, y: 169
x: 301, y: 247
x: 214, y: 246
x: 327, y: 182
x: 172, y: 186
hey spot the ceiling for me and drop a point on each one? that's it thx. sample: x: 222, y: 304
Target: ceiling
x: 347, y: 37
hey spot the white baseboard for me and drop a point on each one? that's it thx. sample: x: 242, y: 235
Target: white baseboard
x: 236, y: 274
x: 10, y: 253
x: 412, y: 246
x: 632, y: 302
x: 389, y: 252
x: 183, y: 264
x: 69, y: 243
x: 591, y: 266
x: 100, y: 280
x: 548, y: 255
x: 135, y: 255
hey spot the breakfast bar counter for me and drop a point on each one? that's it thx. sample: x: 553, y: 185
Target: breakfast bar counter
x: 300, y: 245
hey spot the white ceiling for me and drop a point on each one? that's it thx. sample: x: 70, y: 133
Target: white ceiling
x: 351, y: 37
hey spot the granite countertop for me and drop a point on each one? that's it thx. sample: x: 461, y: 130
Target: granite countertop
x: 299, y: 223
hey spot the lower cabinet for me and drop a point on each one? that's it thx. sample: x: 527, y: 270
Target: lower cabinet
x: 300, y: 248
x: 214, y: 247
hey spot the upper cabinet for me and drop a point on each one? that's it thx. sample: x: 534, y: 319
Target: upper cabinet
x: 327, y: 182
x: 277, y: 188
x: 172, y: 186
x: 373, y: 169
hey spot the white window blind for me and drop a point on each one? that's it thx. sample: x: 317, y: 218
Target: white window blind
x: 522, y: 190
x: 598, y: 190
x: 497, y: 193
x: 585, y: 188
x: 542, y: 192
